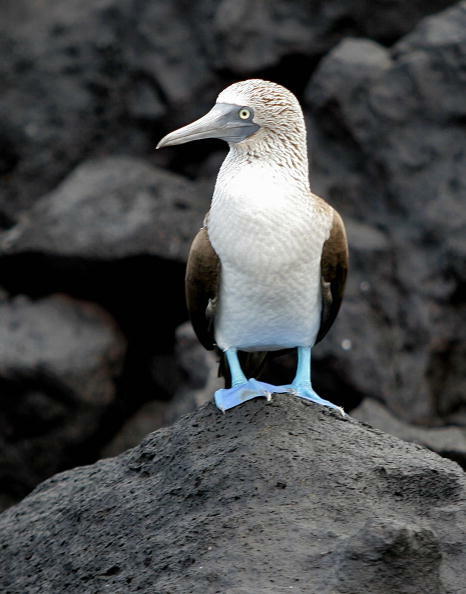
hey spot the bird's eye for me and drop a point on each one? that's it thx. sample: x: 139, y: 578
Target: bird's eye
x: 244, y: 113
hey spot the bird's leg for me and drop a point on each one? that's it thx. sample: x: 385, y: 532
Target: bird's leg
x: 237, y: 375
x: 303, y: 370
x: 242, y: 389
x: 302, y: 386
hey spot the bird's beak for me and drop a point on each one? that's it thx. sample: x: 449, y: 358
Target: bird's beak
x: 220, y: 122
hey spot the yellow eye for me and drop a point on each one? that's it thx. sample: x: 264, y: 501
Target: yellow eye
x: 244, y: 113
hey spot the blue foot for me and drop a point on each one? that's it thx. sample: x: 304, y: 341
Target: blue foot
x: 306, y: 391
x: 229, y: 397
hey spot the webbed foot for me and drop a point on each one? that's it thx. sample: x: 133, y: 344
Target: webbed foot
x: 307, y: 392
x: 230, y: 397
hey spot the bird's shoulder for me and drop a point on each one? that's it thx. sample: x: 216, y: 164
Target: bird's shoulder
x: 322, y: 205
x: 337, y: 231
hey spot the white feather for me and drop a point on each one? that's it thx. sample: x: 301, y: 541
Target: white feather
x: 267, y: 229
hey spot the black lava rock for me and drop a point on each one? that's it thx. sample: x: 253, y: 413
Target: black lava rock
x: 59, y: 360
x: 388, y: 138
x: 87, y: 90
x: 79, y: 79
x: 112, y: 208
x: 267, y: 498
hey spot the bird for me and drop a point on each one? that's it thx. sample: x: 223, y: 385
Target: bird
x: 267, y: 269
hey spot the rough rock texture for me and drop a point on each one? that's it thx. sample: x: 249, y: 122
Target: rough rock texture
x: 268, y: 498
x: 116, y: 231
x: 446, y: 441
x: 354, y: 354
x: 90, y: 76
x: 199, y: 368
x: 58, y: 363
x: 398, y: 118
x: 72, y: 343
x: 87, y: 90
x: 112, y: 208
x: 244, y: 36
x: 197, y: 376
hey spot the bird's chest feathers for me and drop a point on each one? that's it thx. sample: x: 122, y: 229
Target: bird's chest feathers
x: 259, y: 220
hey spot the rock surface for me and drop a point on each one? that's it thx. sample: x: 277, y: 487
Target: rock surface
x: 446, y: 441
x: 70, y: 342
x: 87, y: 90
x: 95, y: 76
x: 112, y: 208
x: 197, y: 374
x: 243, y: 36
x: 59, y: 359
x: 268, y: 498
x: 388, y: 136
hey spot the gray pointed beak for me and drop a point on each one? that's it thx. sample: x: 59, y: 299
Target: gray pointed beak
x: 222, y: 121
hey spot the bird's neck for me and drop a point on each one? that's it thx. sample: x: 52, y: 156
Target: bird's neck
x: 282, y: 156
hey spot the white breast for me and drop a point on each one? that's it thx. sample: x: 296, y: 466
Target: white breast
x: 268, y: 234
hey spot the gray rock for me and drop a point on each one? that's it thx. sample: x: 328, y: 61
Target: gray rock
x: 111, y: 208
x: 62, y: 79
x: 197, y: 364
x: 359, y: 350
x: 388, y: 131
x: 59, y: 360
x: 246, y: 36
x: 149, y: 417
x: 82, y: 79
x: 446, y: 441
x: 197, y: 375
x: 77, y: 80
x: 267, y: 498
x: 164, y: 46
x: 75, y: 342
x: 390, y: 556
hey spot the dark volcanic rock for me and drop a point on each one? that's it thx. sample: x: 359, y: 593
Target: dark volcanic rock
x: 197, y: 375
x: 76, y: 343
x: 389, y: 138
x: 268, y: 498
x: 82, y: 78
x: 382, y: 549
x: 245, y: 36
x: 81, y: 81
x: 446, y: 441
x: 117, y: 232
x: 61, y: 82
x: 199, y: 370
x: 59, y: 359
x: 112, y: 208
x: 354, y: 352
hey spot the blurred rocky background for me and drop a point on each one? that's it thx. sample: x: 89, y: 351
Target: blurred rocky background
x: 95, y: 351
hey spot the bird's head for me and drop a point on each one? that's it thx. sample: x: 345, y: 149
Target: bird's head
x: 251, y: 112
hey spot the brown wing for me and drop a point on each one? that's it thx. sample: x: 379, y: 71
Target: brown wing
x: 202, y: 281
x: 334, y: 268
x: 201, y: 284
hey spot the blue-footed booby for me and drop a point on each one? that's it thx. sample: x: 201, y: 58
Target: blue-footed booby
x: 267, y: 270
